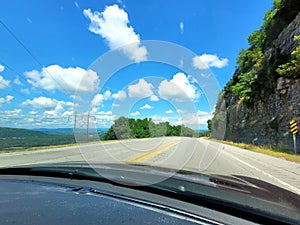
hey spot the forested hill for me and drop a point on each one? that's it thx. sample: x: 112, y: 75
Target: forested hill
x: 263, y: 95
x: 7, y: 132
x: 14, y: 138
x: 124, y: 128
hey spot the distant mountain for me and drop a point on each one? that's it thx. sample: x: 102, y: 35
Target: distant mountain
x: 55, y: 130
x: 14, y: 138
x: 66, y: 130
x: 7, y: 132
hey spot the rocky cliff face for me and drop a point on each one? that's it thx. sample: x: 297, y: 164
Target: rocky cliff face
x: 266, y: 122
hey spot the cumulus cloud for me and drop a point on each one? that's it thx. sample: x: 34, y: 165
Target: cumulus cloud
x: 46, y: 103
x: 136, y: 113
x: 146, y: 106
x: 170, y: 111
x: 7, y: 99
x: 154, y: 98
x: 104, y: 118
x: 157, y: 119
x: 120, y: 95
x: 57, y: 111
x: 142, y: 89
x: 68, y: 80
x: 198, y: 118
x: 1, y: 68
x: 179, y: 88
x: 181, y: 111
x: 208, y: 60
x: 4, y: 83
x: 15, y: 113
x: 99, y: 98
x: 17, y: 81
x: 25, y: 91
x: 113, y: 25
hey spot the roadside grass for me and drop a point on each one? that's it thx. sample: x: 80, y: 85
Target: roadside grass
x: 22, y: 149
x: 36, y: 148
x: 279, y: 153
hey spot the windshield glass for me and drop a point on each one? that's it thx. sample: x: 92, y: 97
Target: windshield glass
x: 210, y: 87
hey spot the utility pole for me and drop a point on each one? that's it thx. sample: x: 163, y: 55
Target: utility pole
x: 74, y: 123
x: 87, y: 127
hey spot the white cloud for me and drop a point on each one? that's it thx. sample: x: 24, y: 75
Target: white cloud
x: 208, y: 60
x: 179, y: 88
x: 154, y: 98
x: 170, y: 111
x: 107, y: 95
x: 198, y: 118
x: 1, y: 68
x: 121, y: 95
x: 4, y: 83
x: 146, y: 106
x: 68, y: 80
x: 46, y: 103
x: 115, y: 105
x: 15, y: 113
x: 181, y: 26
x: 140, y: 90
x: 57, y: 111
x: 113, y: 25
x: 33, y: 112
x: 17, y: 81
x: 25, y: 91
x: 157, y: 119
x: 136, y: 113
x: 7, y: 99
x: 104, y: 113
x: 99, y: 98
x: 180, y: 111
x: 104, y: 118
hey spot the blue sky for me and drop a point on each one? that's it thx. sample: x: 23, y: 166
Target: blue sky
x: 52, y: 56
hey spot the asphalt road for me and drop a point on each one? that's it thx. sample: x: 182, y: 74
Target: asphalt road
x: 198, y: 155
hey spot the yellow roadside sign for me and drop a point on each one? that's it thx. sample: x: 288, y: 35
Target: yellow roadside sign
x: 293, y: 127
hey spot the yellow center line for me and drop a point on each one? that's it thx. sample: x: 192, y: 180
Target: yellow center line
x: 148, y: 154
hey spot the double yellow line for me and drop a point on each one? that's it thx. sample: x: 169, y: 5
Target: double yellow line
x: 148, y: 154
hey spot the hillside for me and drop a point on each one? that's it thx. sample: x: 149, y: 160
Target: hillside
x: 13, y: 138
x: 7, y: 132
x: 263, y: 95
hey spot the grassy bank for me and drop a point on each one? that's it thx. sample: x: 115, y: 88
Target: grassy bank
x: 279, y: 153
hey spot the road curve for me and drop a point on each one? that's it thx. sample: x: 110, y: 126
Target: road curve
x: 195, y: 154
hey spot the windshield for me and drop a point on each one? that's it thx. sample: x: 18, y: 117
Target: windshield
x: 210, y: 87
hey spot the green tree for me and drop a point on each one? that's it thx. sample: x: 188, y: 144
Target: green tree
x: 209, y: 123
x: 292, y: 67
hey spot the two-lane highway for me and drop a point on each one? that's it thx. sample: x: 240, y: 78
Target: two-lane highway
x: 198, y: 155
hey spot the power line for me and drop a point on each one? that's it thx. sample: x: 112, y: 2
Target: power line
x: 29, y: 52
x: 21, y: 76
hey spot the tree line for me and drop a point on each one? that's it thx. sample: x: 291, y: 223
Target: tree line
x: 125, y: 128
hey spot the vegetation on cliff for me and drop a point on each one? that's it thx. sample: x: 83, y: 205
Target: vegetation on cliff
x: 260, y: 65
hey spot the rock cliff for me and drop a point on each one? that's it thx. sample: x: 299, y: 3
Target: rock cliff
x: 274, y: 100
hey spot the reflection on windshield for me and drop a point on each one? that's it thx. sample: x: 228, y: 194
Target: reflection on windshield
x: 210, y: 88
